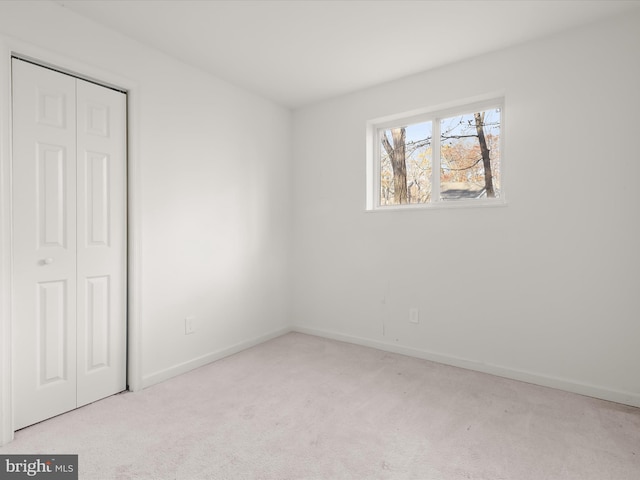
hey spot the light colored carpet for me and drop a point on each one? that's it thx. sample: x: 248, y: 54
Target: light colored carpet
x: 302, y: 407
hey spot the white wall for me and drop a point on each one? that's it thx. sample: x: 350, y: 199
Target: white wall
x: 213, y: 190
x: 544, y: 289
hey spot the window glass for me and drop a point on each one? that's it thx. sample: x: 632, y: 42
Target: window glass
x: 405, y: 164
x: 470, y: 156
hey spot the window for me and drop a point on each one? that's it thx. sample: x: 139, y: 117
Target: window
x: 450, y: 157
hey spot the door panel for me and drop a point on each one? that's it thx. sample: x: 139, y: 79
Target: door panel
x: 52, y: 211
x: 97, y: 209
x: 51, y: 304
x: 44, y: 225
x: 101, y: 307
x: 98, y: 321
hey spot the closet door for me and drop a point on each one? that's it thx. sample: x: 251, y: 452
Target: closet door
x: 44, y: 232
x: 69, y: 273
x: 101, y: 242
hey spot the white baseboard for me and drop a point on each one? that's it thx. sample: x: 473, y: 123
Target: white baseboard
x: 626, y: 398
x: 185, y: 367
x: 622, y: 397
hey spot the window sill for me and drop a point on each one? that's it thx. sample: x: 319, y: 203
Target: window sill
x: 440, y: 206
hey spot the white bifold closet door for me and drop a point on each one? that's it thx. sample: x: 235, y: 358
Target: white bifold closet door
x: 69, y: 232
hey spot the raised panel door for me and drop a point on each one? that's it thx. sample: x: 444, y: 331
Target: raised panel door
x: 69, y: 232
x: 101, y: 242
x: 44, y: 226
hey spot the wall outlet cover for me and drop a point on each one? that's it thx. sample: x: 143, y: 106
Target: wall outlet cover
x: 189, y: 325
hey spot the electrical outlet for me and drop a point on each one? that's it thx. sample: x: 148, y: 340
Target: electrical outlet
x: 189, y: 325
x: 414, y: 315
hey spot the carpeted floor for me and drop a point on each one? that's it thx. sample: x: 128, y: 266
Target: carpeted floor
x: 302, y: 407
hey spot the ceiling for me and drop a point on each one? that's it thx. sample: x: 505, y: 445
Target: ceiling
x: 297, y: 52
